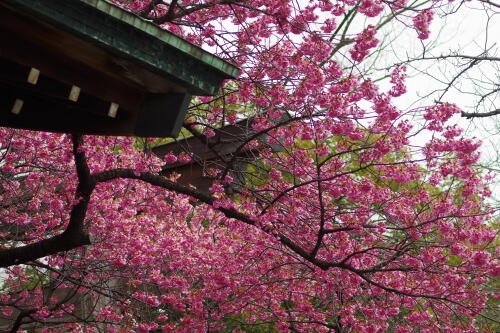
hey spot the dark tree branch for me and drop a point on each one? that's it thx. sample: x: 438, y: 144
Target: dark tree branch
x: 163, y: 182
x: 145, y: 12
x: 183, y: 11
x: 171, y: 9
x: 74, y: 236
x: 491, y: 3
x: 470, y: 115
x: 450, y: 84
x: 19, y: 320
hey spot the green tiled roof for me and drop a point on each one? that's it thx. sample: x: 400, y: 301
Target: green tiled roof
x: 164, y: 35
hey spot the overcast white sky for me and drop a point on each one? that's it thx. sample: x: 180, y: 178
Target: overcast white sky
x: 468, y: 31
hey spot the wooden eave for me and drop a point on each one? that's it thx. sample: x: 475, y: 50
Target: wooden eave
x: 226, y: 142
x: 134, y: 78
x: 212, y: 152
x: 206, y: 153
x: 133, y: 39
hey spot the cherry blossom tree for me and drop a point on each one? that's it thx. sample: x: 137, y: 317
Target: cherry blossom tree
x: 336, y: 211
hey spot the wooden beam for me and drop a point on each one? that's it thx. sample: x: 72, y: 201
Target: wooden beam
x: 47, y: 51
x: 46, y: 107
x: 162, y: 115
x: 38, y: 84
x: 25, y: 106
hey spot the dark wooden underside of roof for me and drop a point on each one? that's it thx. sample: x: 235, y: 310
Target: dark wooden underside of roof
x: 130, y: 82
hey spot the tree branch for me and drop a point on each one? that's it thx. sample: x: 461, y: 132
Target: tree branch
x: 162, y: 182
x: 171, y: 15
x: 19, y: 320
x: 74, y: 236
x: 470, y: 115
x: 145, y: 12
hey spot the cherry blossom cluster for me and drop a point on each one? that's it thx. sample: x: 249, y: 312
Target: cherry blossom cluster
x: 328, y: 216
x: 422, y: 22
x: 398, y: 76
x: 439, y: 114
x: 364, y: 43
